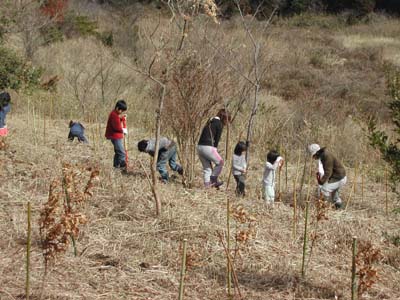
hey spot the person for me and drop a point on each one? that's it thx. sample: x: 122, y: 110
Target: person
x: 239, y: 166
x: 166, y: 154
x: 207, y: 148
x: 331, y: 176
x: 5, y: 108
x: 115, y: 133
x: 274, y: 161
x: 77, y: 130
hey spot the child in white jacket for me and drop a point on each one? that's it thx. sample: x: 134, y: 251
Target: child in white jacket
x: 239, y: 166
x: 274, y: 161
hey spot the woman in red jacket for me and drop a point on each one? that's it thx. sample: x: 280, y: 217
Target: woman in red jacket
x: 115, y: 133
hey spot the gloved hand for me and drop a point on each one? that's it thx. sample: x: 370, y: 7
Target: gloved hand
x: 125, y: 130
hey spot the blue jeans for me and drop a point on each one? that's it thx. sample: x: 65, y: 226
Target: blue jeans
x: 164, y: 157
x: 119, y: 156
x: 77, y: 134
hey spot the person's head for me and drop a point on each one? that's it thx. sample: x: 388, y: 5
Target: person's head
x: 142, y: 145
x: 240, y: 148
x: 272, y: 156
x: 224, y: 115
x: 71, y: 123
x: 120, y: 106
x: 313, y: 149
x: 4, y: 99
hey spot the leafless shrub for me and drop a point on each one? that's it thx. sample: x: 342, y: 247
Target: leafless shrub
x: 195, y: 88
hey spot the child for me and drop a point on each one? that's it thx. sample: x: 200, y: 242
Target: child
x: 115, y: 133
x: 166, y: 153
x: 5, y: 108
x: 207, y: 148
x: 274, y: 161
x: 77, y: 130
x: 239, y: 167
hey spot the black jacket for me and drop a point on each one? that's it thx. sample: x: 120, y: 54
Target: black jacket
x: 211, y: 133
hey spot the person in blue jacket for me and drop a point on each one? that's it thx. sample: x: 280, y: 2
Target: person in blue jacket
x: 5, y: 108
x: 76, y: 130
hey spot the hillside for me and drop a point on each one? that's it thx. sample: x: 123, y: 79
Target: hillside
x: 320, y: 80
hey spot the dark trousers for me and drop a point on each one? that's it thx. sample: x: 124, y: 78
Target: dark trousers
x: 79, y: 135
x: 240, y: 184
x: 119, y: 154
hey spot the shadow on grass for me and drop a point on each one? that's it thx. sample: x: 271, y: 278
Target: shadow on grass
x: 281, y: 282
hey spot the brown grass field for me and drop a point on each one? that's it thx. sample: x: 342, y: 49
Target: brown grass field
x: 124, y: 252
x: 323, y: 80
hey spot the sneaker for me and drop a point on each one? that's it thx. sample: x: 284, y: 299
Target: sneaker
x: 180, y: 171
x: 215, y: 183
x: 338, y: 205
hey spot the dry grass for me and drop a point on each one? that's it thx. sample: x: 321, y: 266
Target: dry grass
x: 125, y: 253
x: 320, y: 89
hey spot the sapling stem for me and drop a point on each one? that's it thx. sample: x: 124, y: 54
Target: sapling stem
x: 28, y: 252
x: 183, y: 270
x: 353, y: 270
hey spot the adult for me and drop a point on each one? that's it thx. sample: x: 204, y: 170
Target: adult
x: 207, y: 148
x: 331, y: 175
x: 5, y: 108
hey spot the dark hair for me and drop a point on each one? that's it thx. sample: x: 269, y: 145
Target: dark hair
x: 272, y: 156
x: 240, y: 148
x: 71, y: 123
x: 142, y: 145
x: 121, y: 104
x: 224, y: 115
x: 4, y: 99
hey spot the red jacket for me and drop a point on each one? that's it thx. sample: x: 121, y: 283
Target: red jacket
x: 114, y: 127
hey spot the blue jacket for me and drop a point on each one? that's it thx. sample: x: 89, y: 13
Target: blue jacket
x: 3, y: 112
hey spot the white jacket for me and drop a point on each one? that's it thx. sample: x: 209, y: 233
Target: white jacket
x: 269, y: 172
x: 239, y: 164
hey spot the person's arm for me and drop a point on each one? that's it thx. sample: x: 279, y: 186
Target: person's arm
x: 277, y: 163
x: 237, y: 164
x: 217, y: 131
x: 328, y: 169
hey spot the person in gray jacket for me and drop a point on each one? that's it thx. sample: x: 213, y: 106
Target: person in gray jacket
x: 77, y: 130
x: 166, y: 154
x: 239, y: 166
x: 331, y: 177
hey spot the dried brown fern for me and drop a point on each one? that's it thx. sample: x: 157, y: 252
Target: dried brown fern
x: 366, y: 257
x: 60, y: 217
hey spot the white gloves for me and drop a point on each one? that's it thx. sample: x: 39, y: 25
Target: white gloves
x: 125, y: 130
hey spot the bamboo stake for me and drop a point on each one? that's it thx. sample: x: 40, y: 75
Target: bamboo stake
x: 279, y: 184
x: 295, y: 198
x: 183, y: 270
x: 362, y: 183
x: 34, y: 126
x: 44, y: 127
x: 353, y: 188
x: 235, y: 278
x: 386, y: 192
x: 28, y: 253
x: 303, y: 266
x: 353, y: 270
x: 286, y: 169
x: 228, y: 246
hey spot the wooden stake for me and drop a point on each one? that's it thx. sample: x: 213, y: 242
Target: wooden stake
x: 353, y: 188
x: 362, y: 183
x: 295, y: 198
x: 228, y: 246
x: 286, y: 170
x: 44, y: 128
x: 386, y: 192
x: 183, y: 270
x: 303, y: 265
x: 28, y: 253
x: 353, y: 270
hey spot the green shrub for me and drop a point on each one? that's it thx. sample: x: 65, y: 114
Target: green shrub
x: 14, y: 74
